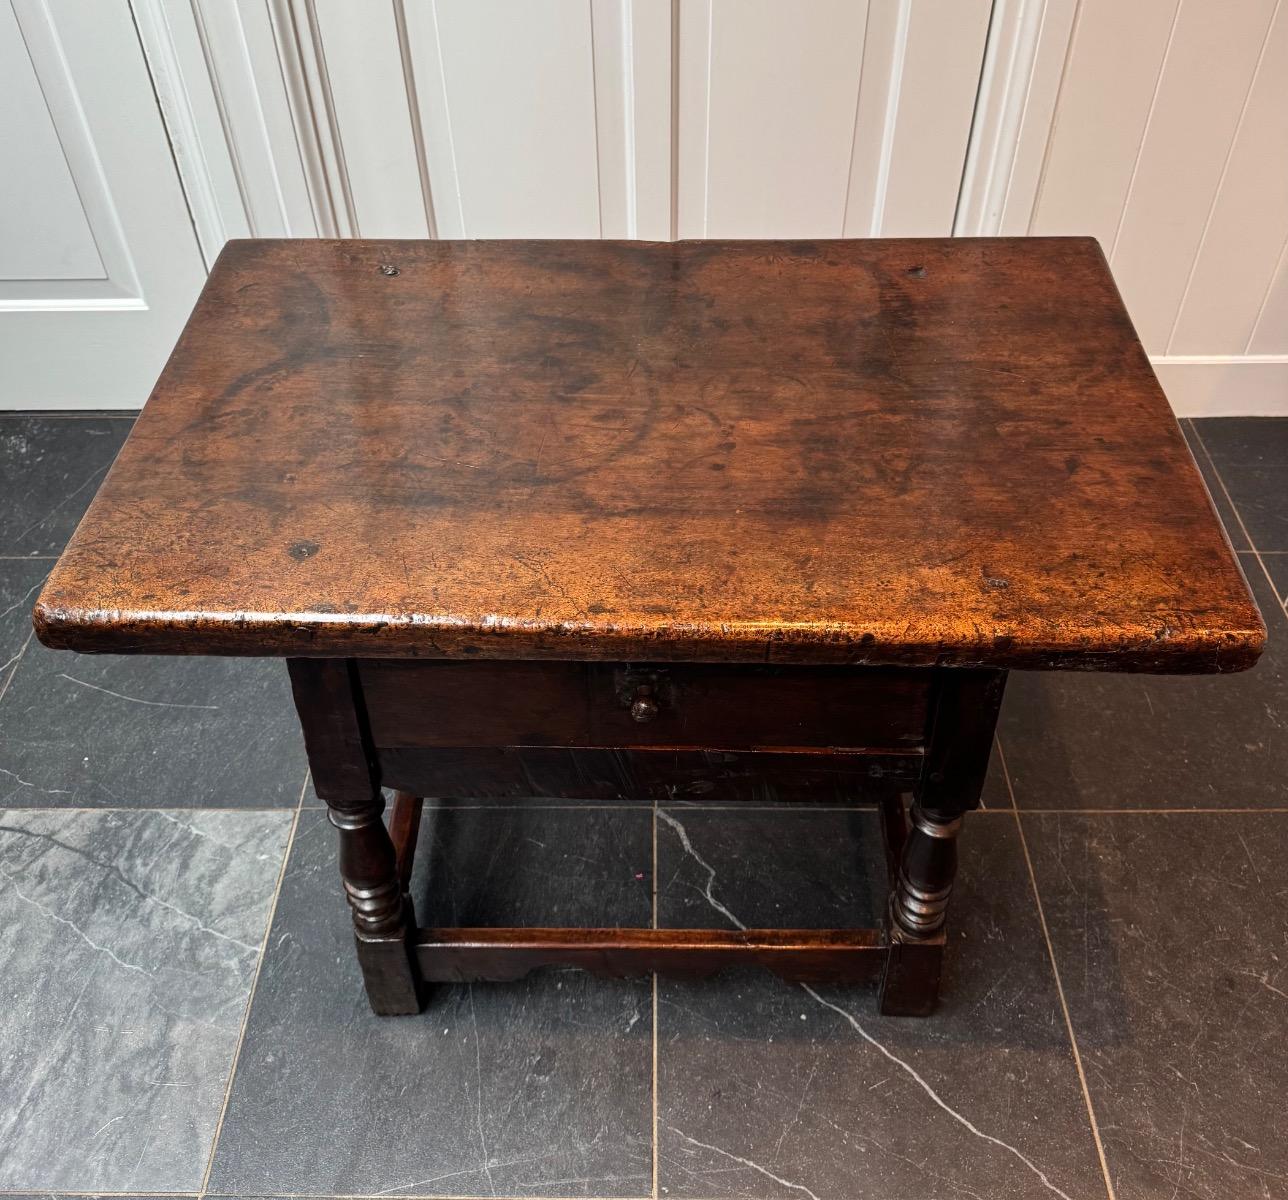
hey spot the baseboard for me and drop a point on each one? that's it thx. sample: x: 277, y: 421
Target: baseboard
x: 21, y: 406
x: 1225, y: 385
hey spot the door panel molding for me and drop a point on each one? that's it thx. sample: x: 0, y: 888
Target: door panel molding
x: 227, y: 105
x: 318, y: 143
x: 585, y: 118
x: 118, y: 286
x: 99, y: 342
x: 1023, y: 63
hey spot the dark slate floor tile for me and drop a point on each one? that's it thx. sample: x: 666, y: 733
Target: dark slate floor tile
x: 1170, y: 933
x: 52, y: 467
x: 20, y: 581
x: 1219, y: 499
x: 540, y: 1087
x: 126, y: 731
x: 780, y: 868
x: 1277, y: 565
x: 771, y: 1090
x: 1094, y: 740
x: 535, y: 866
x: 1251, y: 455
x: 128, y: 942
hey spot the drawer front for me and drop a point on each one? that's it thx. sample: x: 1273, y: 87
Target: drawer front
x: 687, y: 706
x: 475, y: 704
x: 713, y: 707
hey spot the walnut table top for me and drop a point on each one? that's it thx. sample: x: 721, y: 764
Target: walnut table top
x: 916, y: 452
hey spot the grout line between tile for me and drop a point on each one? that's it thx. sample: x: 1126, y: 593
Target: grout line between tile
x: 1059, y: 984
x: 33, y: 558
x: 250, y: 998
x: 1234, y: 508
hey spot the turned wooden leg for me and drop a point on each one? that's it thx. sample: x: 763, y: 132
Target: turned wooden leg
x: 919, y: 902
x: 346, y: 776
x: 958, y: 744
x: 918, y: 906
x: 383, y: 916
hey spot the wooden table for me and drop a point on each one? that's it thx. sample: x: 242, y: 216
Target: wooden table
x: 590, y: 519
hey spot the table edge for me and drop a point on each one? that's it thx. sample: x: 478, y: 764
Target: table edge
x: 1228, y: 649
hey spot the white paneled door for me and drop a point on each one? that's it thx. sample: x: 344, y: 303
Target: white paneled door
x: 99, y: 264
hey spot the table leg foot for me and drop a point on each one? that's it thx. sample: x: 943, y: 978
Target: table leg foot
x: 918, y: 906
x: 910, y: 983
x: 384, y: 920
x: 390, y: 971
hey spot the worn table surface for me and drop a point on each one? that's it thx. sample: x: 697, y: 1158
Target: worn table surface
x: 938, y: 451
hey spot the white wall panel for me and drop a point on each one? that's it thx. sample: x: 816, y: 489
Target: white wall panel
x: 1168, y: 141
x: 1109, y: 78
x: 46, y: 233
x: 1018, y: 88
x: 824, y: 119
x: 1212, y: 54
x: 767, y: 104
x: 1246, y: 222
x: 368, y: 81
x: 508, y: 109
x: 1270, y: 333
x: 647, y: 84
x: 88, y: 325
x: 932, y: 100
x: 248, y: 129
x: 574, y: 118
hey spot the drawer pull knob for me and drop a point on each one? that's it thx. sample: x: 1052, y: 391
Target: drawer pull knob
x: 644, y: 706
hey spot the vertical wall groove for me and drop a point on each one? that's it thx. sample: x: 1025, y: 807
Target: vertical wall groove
x: 413, y: 114
x: 891, y: 118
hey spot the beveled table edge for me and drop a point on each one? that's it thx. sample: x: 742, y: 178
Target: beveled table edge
x: 1149, y: 648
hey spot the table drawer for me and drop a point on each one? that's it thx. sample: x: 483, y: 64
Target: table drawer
x: 685, y: 706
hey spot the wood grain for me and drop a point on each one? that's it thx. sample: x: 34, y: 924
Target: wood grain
x: 806, y: 955
x: 866, y: 452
